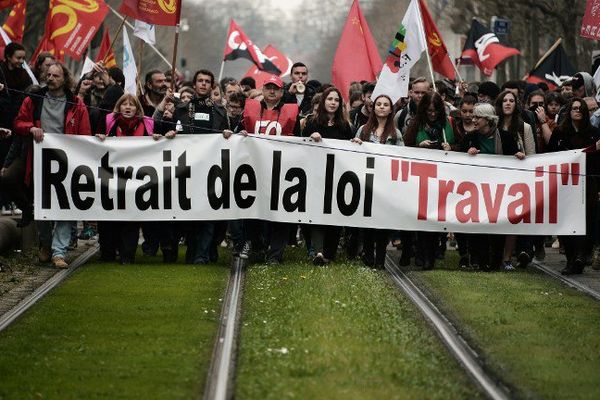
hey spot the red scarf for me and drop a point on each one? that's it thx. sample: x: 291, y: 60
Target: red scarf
x: 128, y: 126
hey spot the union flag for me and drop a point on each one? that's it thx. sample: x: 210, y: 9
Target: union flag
x: 485, y: 48
x: 440, y: 60
x: 155, y: 12
x: 238, y: 45
x: 554, y: 68
x: 105, y: 53
x: 14, y: 25
x: 71, y: 25
x: 7, y: 3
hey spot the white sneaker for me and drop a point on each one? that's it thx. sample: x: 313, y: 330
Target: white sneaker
x: 6, y: 211
x: 16, y: 210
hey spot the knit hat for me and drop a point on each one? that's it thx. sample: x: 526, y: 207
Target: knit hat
x: 489, y: 89
x: 485, y: 110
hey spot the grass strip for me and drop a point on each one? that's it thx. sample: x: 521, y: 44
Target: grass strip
x: 539, y: 336
x: 338, y: 332
x: 142, y: 331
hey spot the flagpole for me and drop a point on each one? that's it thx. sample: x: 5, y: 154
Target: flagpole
x: 422, y: 32
x: 139, y: 73
x: 153, y: 47
x: 221, y: 71
x: 456, y: 70
x: 554, y: 46
x: 112, y: 42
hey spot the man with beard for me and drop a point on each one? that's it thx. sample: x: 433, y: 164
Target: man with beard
x: 154, y: 233
x: 155, y: 90
x: 54, y: 110
x: 199, y: 116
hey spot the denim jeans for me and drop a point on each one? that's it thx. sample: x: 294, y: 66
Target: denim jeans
x: 61, y: 237
x: 199, y: 240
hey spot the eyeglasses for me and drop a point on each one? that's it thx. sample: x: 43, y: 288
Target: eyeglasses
x: 538, y: 104
x: 476, y: 117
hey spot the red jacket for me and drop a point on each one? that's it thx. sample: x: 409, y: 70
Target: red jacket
x: 76, y: 122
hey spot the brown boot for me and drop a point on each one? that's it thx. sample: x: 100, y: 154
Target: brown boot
x: 59, y: 262
x: 45, y: 254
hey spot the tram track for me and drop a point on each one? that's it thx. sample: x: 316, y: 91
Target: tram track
x: 453, y: 341
x: 221, y: 375
x: 566, y: 280
x: 11, y: 315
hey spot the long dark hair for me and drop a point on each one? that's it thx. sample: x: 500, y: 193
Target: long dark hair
x: 389, y: 129
x: 421, y: 119
x: 516, y: 122
x: 339, y: 118
x: 566, y: 126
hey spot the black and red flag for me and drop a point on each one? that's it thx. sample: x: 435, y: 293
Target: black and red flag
x: 485, y: 49
x: 554, y: 68
x: 239, y: 46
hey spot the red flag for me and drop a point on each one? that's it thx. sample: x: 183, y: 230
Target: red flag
x: 590, y: 24
x: 440, y: 60
x: 46, y: 45
x: 156, y: 12
x: 356, y: 57
x: 105, y: 53
x: 485, y: 48
x: 7, y: 3
x: 238, y: 45
x: 280, y: 60
x: 72, y: 25
x: 14, y: 25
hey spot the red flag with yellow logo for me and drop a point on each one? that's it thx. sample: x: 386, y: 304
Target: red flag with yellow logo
x: 14, y: 25
x: 46, y: 45
x: 72, y: 24
x: 7, y: 3
x: 438, y: 52
x: 156, y: 12
x: 105, y: 53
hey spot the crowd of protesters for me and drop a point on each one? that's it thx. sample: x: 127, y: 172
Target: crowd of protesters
x: 517, y: 120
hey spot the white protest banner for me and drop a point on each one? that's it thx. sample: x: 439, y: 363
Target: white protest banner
x: 288, y: 179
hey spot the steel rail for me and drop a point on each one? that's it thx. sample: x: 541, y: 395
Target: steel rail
x: 457, y: 346
x: 221, y: 373
x: 567, y: 281
x: 45, y: 288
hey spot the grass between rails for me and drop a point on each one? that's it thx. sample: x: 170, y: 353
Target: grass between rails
x: 539, y: 336
x: 338, y: 332
x: 143, y: 331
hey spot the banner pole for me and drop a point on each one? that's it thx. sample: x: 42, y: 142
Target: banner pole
x: 221, y: 71
x: 139, y: 73
x: 141, y: 57
x: 112, y: 42
x: 153, y: 47
x: 550, y: 50
x: 174, y: 63
x: 424, y: 38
